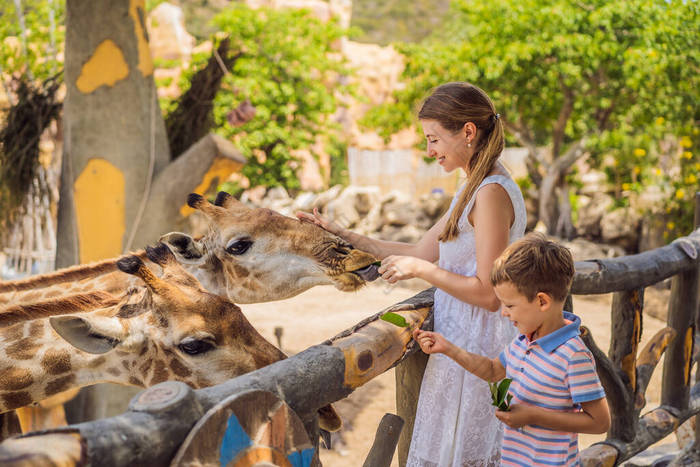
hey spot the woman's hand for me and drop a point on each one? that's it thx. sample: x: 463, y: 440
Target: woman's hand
x: 431, y: 342
x: 398, y: 268
x: 320, y: 221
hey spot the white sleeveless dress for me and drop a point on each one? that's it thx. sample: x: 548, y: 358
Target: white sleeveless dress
x: 455, y: 424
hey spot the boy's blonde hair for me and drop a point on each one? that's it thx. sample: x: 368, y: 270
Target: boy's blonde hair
x: 535, y: 264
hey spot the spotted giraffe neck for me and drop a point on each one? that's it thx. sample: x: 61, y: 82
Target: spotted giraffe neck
x: 101, y: 276
x: 36, y: 363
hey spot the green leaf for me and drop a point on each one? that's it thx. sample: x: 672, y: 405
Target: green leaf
x: 377, y: 263
x: 499, y: 394
x: 494, y: 394
x: 503, y: 390
x: 395, y: 319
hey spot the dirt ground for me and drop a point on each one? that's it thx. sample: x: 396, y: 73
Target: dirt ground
x: 322, y: 312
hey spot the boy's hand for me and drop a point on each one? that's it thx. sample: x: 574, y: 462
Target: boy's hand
x: 431, y: 342
x: 518, y: 416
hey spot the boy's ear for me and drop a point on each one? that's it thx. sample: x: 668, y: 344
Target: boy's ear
x: 544, y: 300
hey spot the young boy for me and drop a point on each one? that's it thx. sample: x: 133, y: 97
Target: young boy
x: 555, y: 388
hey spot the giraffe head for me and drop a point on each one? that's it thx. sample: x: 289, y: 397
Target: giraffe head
x: 171, y: 329
x: 255, y: 255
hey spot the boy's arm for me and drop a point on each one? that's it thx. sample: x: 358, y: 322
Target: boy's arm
x: 485, y: 368
x: 594, y: 417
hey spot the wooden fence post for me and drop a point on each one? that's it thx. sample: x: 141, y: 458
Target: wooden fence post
x: 409, y: 376
x: 682, y: 311
x: 697, y: 317
x: 624, y: 340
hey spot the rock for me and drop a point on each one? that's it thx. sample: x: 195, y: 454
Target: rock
x: 591, y: 210
x: 304, y: 201
x: 583, y: 250
x: 167, y: 37
x: 434, y: 205
x: 342, y: 209
x: 621, y: 227
x: 407, y: 234
x: 594, y: 182
x: 277, y: 193
x: 405, y: 213
x: 253, y: 195
x: 652, y: 231
x: 325, y: 197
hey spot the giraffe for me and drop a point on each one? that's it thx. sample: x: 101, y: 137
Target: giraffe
x: 171, y: 329
x: 249, y: 255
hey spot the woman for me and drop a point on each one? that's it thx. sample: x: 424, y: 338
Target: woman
x: 455, y: 423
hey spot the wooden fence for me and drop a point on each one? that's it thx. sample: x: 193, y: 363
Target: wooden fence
x: 257, y: 416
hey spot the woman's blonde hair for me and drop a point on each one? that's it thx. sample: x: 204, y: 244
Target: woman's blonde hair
x: 453, y: 105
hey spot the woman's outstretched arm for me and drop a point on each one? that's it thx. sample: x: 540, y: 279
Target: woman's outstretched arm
x: 426, y: 248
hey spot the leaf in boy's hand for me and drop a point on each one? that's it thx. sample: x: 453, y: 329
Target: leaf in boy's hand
x: 377, y: 263
x: 499, y: 394
x: 395, y: 319
x: 494, y: 392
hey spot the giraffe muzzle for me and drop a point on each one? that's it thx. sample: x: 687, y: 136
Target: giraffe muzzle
x: 368, y: 273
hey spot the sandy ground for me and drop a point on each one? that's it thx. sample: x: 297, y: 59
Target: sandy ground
x: 322, y: 312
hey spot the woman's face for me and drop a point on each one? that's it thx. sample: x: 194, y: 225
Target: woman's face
x: 449, y: 149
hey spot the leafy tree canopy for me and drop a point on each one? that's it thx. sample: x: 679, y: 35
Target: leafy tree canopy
x: 610, y: 76
x: 290, y: 72
x: 31, y: 38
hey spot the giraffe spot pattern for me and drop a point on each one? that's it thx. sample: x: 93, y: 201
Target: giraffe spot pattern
x: 56, y: 362
x: 240, y: 271
x: 23, y: 349
x: 135, y: 381
x: 16, y: 399
x: 179, y: 369
x: 37, y: 329
x: 99, y: 361
x: 160, y: 373
x: 14, y: 378
x: 59, y: 384
x: 113, y: 371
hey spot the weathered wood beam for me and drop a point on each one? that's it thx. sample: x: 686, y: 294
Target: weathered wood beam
x: 682, y: 307
x: 652, y: 427
x: 382, y: 450
x: 646, y: 363
x: 624, y: 339
x: 616, y: 390
x: 641, y: 270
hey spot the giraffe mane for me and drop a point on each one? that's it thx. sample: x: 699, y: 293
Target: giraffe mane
x: 78, y: 303
x: 71, y: 274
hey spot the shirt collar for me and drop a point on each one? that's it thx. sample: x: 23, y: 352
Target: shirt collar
x: 553, y: 340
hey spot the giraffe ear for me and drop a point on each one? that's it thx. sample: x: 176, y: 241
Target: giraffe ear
x: 94, y: 335
x: 186, y: 249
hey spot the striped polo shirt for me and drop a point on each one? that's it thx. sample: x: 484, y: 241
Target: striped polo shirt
x: 555, y: 372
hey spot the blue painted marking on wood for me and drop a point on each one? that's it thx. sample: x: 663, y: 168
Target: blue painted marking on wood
x: 234, y: 441
x: 301, y: 458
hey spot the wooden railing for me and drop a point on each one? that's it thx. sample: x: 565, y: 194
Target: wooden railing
x: 171, y: 423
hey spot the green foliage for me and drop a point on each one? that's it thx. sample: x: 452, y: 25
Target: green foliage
x: 499, y: 394
x: 35, y: 49
x: 385, y: 21
x: 559, y: 71
x: 290, y: 74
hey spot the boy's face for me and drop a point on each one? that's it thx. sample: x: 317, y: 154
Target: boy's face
x: 525, y: 315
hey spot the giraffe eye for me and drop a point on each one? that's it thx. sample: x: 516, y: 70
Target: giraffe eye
x: 239, y: 247
x: 195, y: 346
